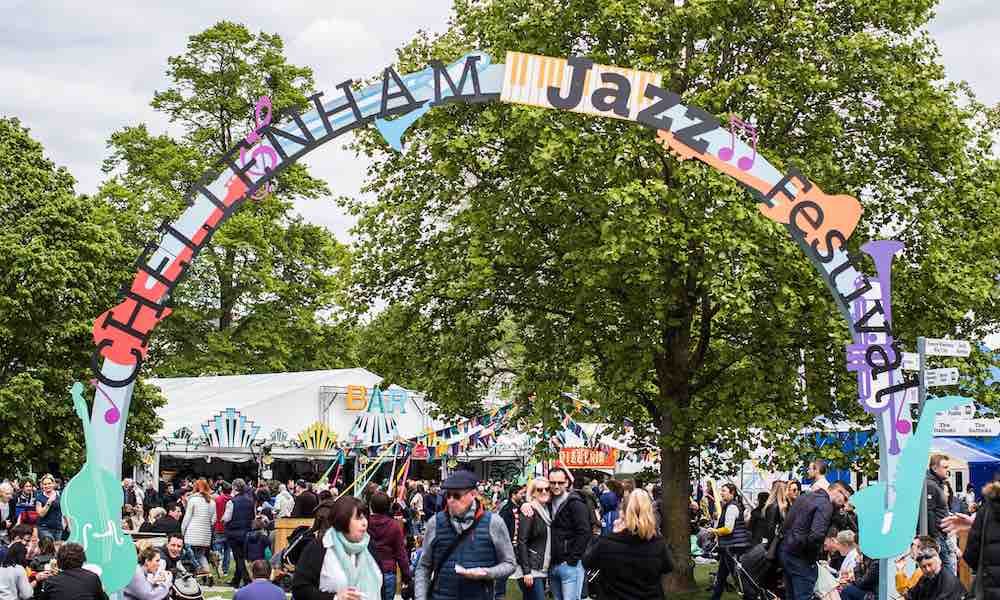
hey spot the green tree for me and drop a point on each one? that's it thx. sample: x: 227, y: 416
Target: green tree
x: 694, y: 316
x: 61, y: 258
x: 264, y: 295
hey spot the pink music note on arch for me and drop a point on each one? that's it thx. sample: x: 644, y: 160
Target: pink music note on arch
x: 745, y: 163
x: 112, y: 415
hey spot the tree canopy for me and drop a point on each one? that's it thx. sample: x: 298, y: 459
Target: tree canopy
x: 264, y: 296
x: 571, y: 252
x: 61, y: 260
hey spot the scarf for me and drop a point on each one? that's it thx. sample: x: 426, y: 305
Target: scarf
x: 543, y: 511
x: 340, y: 570
x: 464, y: 521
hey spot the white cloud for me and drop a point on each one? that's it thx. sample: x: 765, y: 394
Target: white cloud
x: 337, y: 38
x: 76, y: 72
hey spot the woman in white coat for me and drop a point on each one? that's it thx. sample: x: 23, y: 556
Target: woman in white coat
x: 197, y: 523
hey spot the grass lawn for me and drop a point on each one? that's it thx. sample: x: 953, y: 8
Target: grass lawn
x: 701, y: 574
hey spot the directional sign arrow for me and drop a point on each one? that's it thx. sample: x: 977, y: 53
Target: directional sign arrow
x: 937, y: 377
x: 937, y: 347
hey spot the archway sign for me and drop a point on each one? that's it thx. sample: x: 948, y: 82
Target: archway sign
x: 819, y: 223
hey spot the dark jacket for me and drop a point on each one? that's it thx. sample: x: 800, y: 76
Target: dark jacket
x: 257, y: 542
x: 570, y: 531
x: 631, y: 567
x: 775, y: 520
x: 529, y: 547
x: 510, y: 512
x: 74, y: 584
x: 937, y: 504
x: 806, y: 525
x: 305, y: 581
x: 165, y: 524
x: 986, y: 533
x: 758, y: 526
x: 432, y: 505
x: 241, y: 520
x: 390, y: 548
x: 845, y: 520
x: 592, y: 505
x: 945, y: 586
x: 866, y: 575
x: 305, y: 505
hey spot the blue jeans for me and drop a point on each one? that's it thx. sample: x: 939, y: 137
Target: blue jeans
x: 219, y: 545
x: 389, y: 586
x: 948, y: 558
x: 535, y: 592
x: 52, y: 532
x: 852, y: 592
x: 500, y: 589
x: 567, y: 581
x: 800, y: 576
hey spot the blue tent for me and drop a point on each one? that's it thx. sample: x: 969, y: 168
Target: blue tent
x: 982, y: 454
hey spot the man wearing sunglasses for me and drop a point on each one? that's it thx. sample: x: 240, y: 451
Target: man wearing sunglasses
x: 570, y: 533
x: 935, y: 583
x: 466, y: 549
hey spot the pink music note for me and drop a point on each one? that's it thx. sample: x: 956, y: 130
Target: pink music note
x: 745, y: 163
x: 112, y: 415
x: 262, y: 118
x: 261, y: 121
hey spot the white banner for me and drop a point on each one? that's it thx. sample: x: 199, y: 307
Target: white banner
x: 967, y: 427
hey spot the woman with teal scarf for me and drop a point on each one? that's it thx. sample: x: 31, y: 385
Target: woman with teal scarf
x: 338, y: 564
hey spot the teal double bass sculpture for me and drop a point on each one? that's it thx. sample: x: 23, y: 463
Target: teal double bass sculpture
x: 93, y: 502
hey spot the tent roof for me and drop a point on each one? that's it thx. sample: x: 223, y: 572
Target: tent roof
x: 288, y: 401
x: 956, y: 449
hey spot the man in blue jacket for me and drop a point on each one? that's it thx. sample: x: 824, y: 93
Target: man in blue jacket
x: 804, y: 530
x: 466, y: 549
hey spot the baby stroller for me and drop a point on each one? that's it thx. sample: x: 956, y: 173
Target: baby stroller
x: 751, y: 570
x: 754, y: 569
x: 283, y: 562
x: 185, y: 586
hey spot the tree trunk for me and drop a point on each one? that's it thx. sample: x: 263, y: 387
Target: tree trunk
x: 675, y: 476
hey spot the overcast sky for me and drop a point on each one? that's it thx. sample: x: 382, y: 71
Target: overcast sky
x: 74, y: 72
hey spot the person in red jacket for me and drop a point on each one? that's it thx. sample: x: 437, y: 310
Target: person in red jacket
x: 390, y: 547
x: 219, y: 528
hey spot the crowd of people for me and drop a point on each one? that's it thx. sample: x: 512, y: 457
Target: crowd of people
x: 555, y: 536
x: 803, y: 545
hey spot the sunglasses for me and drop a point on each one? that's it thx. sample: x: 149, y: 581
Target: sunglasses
x: 541, y: 489
x: 927, y: 555
x: 558, y: 482
x: 457, y: 494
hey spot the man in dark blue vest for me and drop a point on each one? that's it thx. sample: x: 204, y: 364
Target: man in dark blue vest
x: 466, y: 549
x: 239, y: 519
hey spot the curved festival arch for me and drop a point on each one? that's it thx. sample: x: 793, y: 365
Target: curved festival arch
x: 819, y: 223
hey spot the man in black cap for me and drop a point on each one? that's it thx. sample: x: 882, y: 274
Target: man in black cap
x: 306, y: 500
x: 466, y: 549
